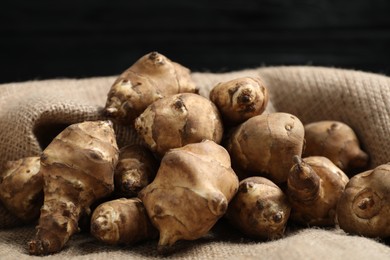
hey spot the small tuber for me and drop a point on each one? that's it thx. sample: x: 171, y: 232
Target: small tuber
x: 21, y: 188
x: 191, y: 191
x: 314, y: 187
x: 259, y: 209
x: 364, y: 207
x: 122, y: 221
x: 152, y: 77
x: 240, y: 99
x: 77, y: 169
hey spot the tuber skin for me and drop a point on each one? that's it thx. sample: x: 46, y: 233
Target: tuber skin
x: 364, y: 207
x: 177, y: 120
x: 77, y: 169
x: 240, y: 99
x: 150, y: 78
x: 21, y: 188
x: 264, y: 145
x: 260, y: 209
x: 122, y: 222
x: 136, y: 168
x: 191, y: 191
x: 314, y: 187
x: 336, y: 141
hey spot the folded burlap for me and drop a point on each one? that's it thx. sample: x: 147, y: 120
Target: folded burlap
x: 32, y: 113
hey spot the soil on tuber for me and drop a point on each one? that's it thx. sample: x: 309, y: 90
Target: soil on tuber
x: 240, y: 99
x: 151, y: 77
x: 364, y: 207
x: 314, y: 187
x: 77, y: 169
x: 191, y: 191
x: 260, y: 209
x: 122, y: 222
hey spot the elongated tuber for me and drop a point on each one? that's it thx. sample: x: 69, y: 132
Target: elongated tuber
x: 264, y: 145
x: 21, y: 188
x: 178, y: 120
x: 314, y: 187
x: 77, y: 168
x: 191, y: 191
x: 364, y: 207
x: 136, y: 168
x: 240, y: 99
x: 152, y: 77
x: 259, y: 209
x: 122, y: 221
x: 336, y: 141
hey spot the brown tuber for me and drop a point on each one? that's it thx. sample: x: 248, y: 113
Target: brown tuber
x: 152, y: 77
x: 240, y: 99
x: 336, y: 141
x: 177, y: 120
x: 364, y: 207
x: 259, y: 209
x: 77, y: 169
x: 264, y: 145
x: 21, y: 188
x: 191, y: 191
x: 136, y: 168
x: 314, y: 187
x: 122, y: 222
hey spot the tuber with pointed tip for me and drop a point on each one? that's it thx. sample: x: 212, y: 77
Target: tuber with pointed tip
x: 21, y: 188
x: 264, y: 145
x: 314, y: 187
x: 337, y: 141
x: 152, y: 77
x: 191, y: 191
x: 177, y: 120
x: 259, y: 209
x: 77, y: 169
x: 122, y: 222
x: 364, y: 207
x: 240, y: 99
x: 136, y: 168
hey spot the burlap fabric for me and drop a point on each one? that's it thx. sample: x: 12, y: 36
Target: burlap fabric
x: 32, y: 113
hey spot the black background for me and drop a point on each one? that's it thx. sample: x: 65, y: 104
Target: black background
x: 56, y: 39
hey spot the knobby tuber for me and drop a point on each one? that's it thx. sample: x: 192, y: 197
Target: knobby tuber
x: 136, y: 168
x: 177, y: 120
x: 259, y: 209
x: 314, y: 187
x: 240, y: 99
x: 122, y: 221
x: 152, y: 77
x: 337, y: 142
x: 364, y: 207
x: 21, y: 188
x: 77, y: 169
x: 264, y: 145
x: 191, y: 191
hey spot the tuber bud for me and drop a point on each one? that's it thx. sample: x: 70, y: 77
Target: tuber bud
x: 314, y: 187
x: 240, y: 99
x: 77, y: 169
x: 178, y: 120
x: 21, y: 188
x: 191, y: 191
x: 122, y: 221
x: 259, y: 209
x: 335, y: 141
x: 264, y: 145
x: 136, y: 168
x: 364, y: 207
x: 152, y: 77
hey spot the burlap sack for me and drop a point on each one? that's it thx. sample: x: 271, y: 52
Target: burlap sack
x: 32, y: 113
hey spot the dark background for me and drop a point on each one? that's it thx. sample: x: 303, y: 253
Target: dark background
x: 56, y: 39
